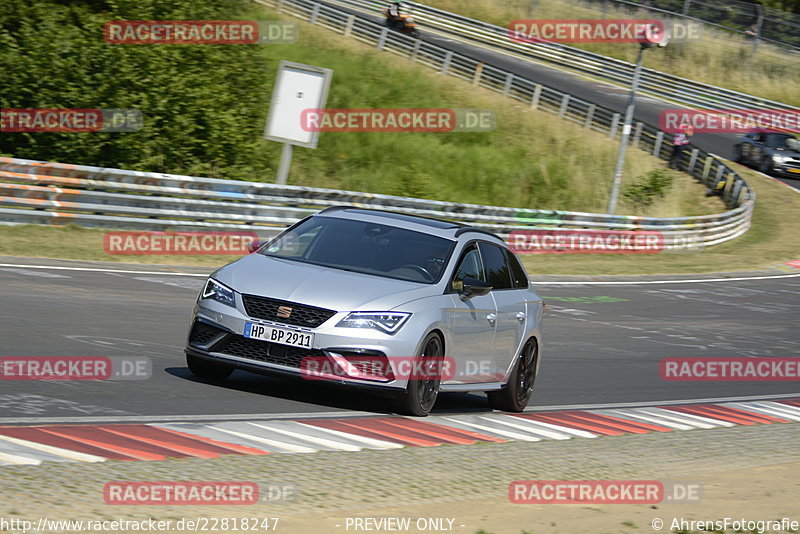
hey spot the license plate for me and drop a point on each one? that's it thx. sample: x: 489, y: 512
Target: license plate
x: 284, y: 336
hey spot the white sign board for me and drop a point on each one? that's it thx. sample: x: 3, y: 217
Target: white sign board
x: 297, y: 88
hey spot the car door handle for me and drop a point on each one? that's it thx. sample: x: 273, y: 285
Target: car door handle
x: 491, y: 318
x: 521, y: 316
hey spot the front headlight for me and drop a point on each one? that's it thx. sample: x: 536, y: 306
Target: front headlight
x: 777, y: 158
x: 219, y: 292
x: 388, y: 322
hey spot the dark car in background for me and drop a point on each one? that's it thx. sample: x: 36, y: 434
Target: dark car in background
x: 771, y: 152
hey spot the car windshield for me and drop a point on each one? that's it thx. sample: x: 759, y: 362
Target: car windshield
x: 780, y: 141
x: 364, y: 247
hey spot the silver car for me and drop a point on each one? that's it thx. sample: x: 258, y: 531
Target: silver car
x: 404, y: 305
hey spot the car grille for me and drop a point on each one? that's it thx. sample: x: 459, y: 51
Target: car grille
x: 263, y: 351
x: 301, y: 315
x: 203, y: 333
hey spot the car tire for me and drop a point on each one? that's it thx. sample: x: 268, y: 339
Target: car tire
x: 206, y: 369
x: 515, y: 396
x: 765, y: 166
x: 737, y: 155
x: 420, y: 395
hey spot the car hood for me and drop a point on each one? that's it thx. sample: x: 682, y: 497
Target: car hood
x: 315, y: 285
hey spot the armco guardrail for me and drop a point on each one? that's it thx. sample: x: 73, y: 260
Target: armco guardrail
x: 660, y: 84
x: 40, y: 192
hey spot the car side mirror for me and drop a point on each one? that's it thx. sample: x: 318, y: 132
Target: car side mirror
x: 471, y: 287
x: 252, y: 246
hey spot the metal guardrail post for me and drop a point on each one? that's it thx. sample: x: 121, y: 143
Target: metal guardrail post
x: 314, y: 14
x: 476, y: 79
x: 348, y: 27
x: 415, y: 50
x: 537, y: 94
x: 637, y: 134
x: 382, y: 39
x: 612, y: 133
x: 729, y: 181
x: 693, y: 160
x: 587, y: 123
x: 446, y: 63
x: 657, y: 145
x: 278, y: 6
x: 562, y: 111
x: 509, y: 83
x: 707, y: 168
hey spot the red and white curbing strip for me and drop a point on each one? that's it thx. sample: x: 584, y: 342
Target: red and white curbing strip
x: 33, y: 445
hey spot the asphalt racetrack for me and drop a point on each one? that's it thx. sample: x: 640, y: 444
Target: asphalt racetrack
x: 602, y: 345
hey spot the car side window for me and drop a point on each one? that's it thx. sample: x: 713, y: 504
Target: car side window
x: 470, y: 265
x: 519, y: 278
x: 495, y: 264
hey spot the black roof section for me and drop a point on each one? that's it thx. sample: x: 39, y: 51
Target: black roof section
x: 418, y: 219
x: 465, y: 229
x: 460, y: 228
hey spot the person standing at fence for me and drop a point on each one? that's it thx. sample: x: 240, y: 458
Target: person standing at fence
x: 680, y: 142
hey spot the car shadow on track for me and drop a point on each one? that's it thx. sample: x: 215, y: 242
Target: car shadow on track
x: 323, y: 395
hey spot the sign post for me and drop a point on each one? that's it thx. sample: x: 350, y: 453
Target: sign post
x: 297, y: 88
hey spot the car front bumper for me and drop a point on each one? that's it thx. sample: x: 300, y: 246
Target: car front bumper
x: 217, y: 334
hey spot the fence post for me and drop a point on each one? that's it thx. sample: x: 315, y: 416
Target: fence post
x: 729, y: 180
x: 657, y: 144
x: 637, y: 134
x: 537, y: 93
x: 314, y: 14
x: 382, y: 38
x: 446, y: 64
x: 589, y: 116
x: 562, y: 111
x: 415, y: 50
x: 693, y: 160
x: 707, y: 167
x: 612, y: 132
x: 509, y: 83
x: 278, y: 6
x: 476, y: 79
x: 348, y: 28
